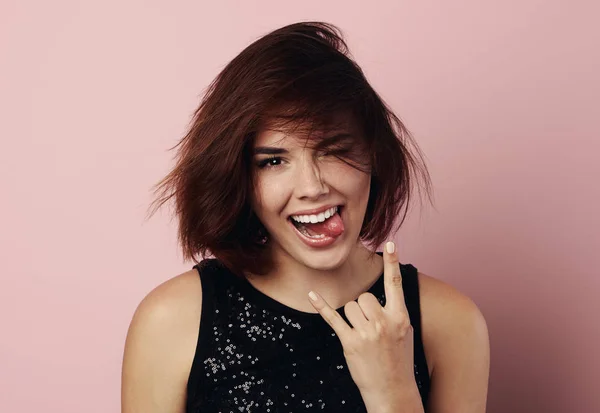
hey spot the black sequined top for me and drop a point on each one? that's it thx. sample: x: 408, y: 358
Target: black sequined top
x: 255, y: 354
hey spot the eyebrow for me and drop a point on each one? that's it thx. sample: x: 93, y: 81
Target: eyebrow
x: 342, y: 136
x: 270, y: 150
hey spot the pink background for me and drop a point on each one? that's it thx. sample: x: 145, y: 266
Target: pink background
x: 501, y: 95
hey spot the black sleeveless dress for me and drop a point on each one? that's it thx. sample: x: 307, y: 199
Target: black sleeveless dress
x: 255, y: 354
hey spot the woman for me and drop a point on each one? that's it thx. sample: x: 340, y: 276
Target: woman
x: 291, y: 175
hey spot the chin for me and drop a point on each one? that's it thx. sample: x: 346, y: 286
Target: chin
x: 324, y: 260
x: 324, y: 265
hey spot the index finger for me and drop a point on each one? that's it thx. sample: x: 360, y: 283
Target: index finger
x: 392, y: 277
x: 332, y: 317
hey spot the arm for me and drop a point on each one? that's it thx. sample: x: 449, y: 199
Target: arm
x: 160, y: 347
x: 456, y: 341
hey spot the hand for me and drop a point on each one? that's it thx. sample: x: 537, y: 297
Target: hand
x: 378, y: 347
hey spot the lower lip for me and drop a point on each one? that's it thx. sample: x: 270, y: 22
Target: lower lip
x: 314, y: 242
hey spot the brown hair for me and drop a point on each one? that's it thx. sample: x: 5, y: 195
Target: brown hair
x: 301, y: 73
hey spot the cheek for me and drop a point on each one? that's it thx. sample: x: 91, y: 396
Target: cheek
x: 269, y: 194
x: 349, y: 180
x: 258, y: 196
x: 363, y: 188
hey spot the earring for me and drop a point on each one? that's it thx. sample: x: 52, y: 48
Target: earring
x: 262, y: 236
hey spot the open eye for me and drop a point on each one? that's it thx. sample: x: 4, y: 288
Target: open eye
x: 270, y: 162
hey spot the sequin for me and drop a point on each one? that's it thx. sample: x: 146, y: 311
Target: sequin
x: 247, y: 361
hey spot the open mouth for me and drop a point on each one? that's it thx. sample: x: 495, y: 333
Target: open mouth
x: 327, y: 224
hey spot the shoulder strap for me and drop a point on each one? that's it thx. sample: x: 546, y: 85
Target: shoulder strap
x: 410, y: 284
x: 208, y: 273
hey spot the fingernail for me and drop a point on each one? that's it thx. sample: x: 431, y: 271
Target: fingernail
x: 312, y: 296
x: 390, y: 247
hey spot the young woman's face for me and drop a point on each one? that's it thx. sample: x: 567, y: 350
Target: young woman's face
x: 311, y: 202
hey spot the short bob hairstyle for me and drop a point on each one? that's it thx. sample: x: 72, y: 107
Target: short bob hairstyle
x: 299, y: 74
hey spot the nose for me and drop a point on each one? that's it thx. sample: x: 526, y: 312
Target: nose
x: 309, y: 181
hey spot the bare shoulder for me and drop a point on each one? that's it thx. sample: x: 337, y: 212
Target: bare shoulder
x: 160, y: 346
x: 444, y: 303
x: 446, y: 315
x: 456, y: 343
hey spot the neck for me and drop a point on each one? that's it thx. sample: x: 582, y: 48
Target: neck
x: 289, y: 282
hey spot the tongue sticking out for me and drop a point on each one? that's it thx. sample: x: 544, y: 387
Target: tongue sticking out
x: 331, y: 227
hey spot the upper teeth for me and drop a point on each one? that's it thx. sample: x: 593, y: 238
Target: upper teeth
x: 313, y: 219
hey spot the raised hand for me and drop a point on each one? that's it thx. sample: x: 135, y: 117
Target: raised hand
x: 378, y: 347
